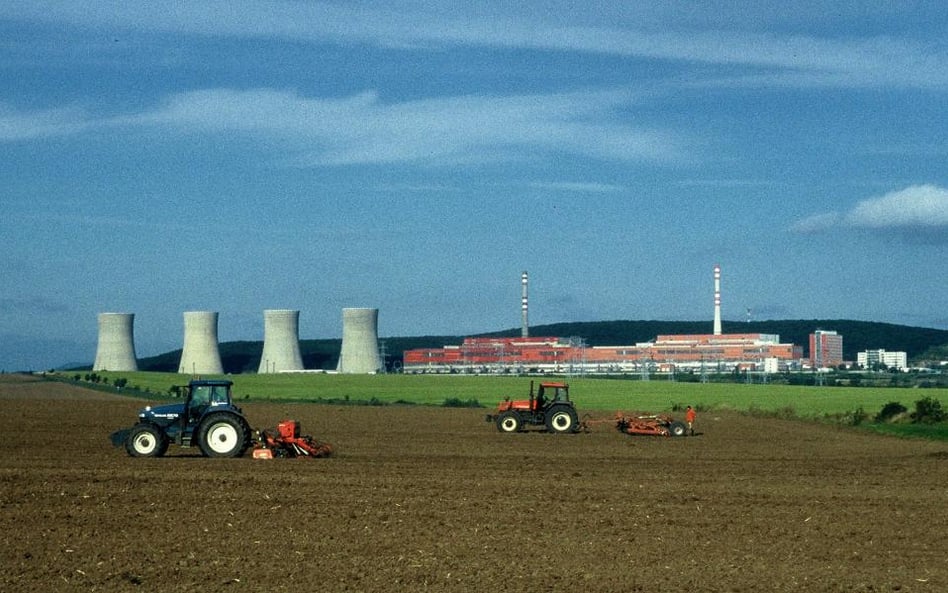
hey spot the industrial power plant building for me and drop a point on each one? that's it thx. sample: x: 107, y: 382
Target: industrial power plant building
x: 713, y: 353
x: 700, y: 353
x: 826, y: 349
x: 868, y: 359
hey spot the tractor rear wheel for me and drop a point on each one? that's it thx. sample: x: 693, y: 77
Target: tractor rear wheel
x: 222, y: 435
x: 145, y: 440
x: 562, y: 419
x: 509, y: 422
x: 677, y: 429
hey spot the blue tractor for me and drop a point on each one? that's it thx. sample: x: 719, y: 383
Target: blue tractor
x: 208, y: 419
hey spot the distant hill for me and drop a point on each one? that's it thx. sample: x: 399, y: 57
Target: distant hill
x: 239, y: 357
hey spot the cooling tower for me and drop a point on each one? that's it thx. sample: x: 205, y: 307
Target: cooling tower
x: 360, y: 342
x: 200, y: 354
x: 116, y: 349
x: 281, y: 341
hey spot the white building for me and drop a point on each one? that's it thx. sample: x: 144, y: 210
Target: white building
x: 892, y: 360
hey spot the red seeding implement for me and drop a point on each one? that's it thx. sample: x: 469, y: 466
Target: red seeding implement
x: 651, y: 424
x: 285, y: 441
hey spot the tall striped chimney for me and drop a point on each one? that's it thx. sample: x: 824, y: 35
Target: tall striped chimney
x: 116, y: 349
x: 281, y: 341
x: 717, y: 300
x: 524, y: 324
x: 200, y: 354
x: 360, y: 342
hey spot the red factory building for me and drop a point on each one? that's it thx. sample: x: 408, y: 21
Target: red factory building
x: 826, y: 349
x: 704, y: 352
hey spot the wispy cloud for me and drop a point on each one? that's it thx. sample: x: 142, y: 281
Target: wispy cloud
x: 577, y: 186
x: 918, y: 211
x: 32, y: 125
x: 817, y: 223
x: 773, y: 59
x: 361, y: 129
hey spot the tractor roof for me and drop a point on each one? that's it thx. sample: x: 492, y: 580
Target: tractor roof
x: 225, y: 382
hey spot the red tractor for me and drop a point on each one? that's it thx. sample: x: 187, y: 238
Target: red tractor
x: 550, y: 407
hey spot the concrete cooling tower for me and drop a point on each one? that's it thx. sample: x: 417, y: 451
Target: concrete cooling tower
x: 281, y: 341
x: 116, y: 349
x: 360, y: 342
x: 200, y: 354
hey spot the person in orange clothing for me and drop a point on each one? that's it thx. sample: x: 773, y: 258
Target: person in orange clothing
x: 690, y: 416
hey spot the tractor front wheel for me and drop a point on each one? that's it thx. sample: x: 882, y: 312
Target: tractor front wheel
x: 222, y: 435
x: 562, y: 420
x: 145, y: 440
x: 508, y: 422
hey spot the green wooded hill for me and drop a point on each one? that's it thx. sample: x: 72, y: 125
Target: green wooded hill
x: 244, y: 356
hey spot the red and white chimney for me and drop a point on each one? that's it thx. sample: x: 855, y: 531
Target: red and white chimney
x: 717, y: 300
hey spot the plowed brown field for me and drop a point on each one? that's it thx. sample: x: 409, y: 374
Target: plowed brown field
x: 436, y: 499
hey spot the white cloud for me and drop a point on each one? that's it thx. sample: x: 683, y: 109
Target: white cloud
x: 918, y: 210
x: 917, y: 206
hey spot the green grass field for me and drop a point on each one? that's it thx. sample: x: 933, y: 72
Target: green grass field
x: 590, y: 395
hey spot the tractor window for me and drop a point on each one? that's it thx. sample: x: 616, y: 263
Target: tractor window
x: 219, y: 394
x: 200, y: 395
x: 560, y: 395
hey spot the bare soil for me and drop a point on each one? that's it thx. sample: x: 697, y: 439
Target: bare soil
x: 434, y: 499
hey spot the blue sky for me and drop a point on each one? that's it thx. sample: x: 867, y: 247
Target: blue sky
x: 416, y: 157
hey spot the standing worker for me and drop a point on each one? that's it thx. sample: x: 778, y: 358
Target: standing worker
x: 690, y: 416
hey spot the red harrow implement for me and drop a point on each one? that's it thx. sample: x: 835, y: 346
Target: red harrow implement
x: 651, y: 424
x: 285, y: 441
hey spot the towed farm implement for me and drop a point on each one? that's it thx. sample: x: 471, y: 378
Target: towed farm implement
x: 285, y: 441
x: 650, y: 424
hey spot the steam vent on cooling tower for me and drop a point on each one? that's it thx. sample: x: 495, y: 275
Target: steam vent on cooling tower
x: 281, y: 341
x: 116, y: 349
x: 200, y: 354
x: 360, y: 342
